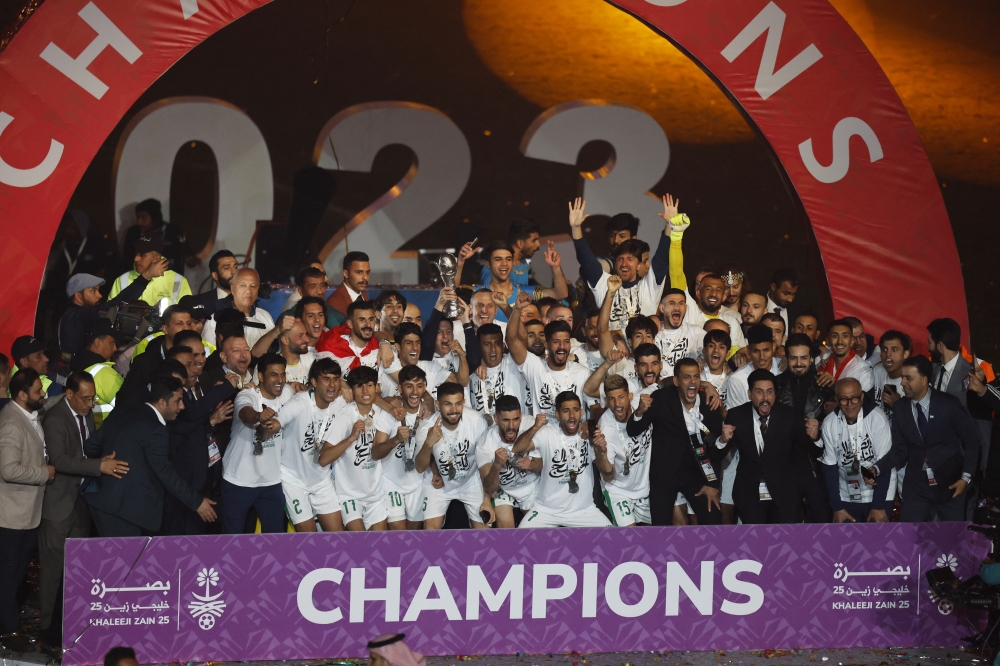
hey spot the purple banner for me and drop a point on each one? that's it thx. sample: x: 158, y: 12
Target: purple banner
x: 305, y: 596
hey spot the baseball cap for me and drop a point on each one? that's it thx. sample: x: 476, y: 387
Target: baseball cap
x: 197, y: 309
x: 82, y: 281
x: 149, y: 243
x: 99, y: 328
x: 25, y: 345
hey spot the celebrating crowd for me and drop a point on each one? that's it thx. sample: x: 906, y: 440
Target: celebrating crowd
x: 630, y: 398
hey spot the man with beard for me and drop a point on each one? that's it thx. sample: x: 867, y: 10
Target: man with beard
x: 354, y: 344
x: 864, y: 344
x: 734, y: 277
x: 501, y: 375
x: 589, y: 354
x: 395, y: 446
x: 637, y: 295
x: 784, y: 287
x: 449, y: 440
x: 357, y: 473
x: 556, y: 373
x: 295, y: 350
x: 565, y: 496
x: 251, y: 467
x: 683, y: 458
x: 808, y: 324
x: 887, y: 376
x: 312, y: 283
x: 407, y: 338
x: 752, y: 308
x: 223, y: 267
x: 509, y: 479
x: 938, y: 441
x: 357, y: 272
x: 843, y: 362
x: 642, y: 381
x: 711, y: 293
x: 797, y: 388
x: 256, y: 320
x: 627, y: 494
x: 853, y: 438
x: 165, y: 290
x: 305, y: 421
x: 310, y: 311
x: 390, y: 306
x: 235, y: 356
x: 766, y: 434
x: 676, y: 339
x: 944, y: 340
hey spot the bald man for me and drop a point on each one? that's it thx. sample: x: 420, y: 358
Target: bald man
x: 257, y: 321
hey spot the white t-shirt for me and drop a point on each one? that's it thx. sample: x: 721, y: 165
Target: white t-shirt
x: 857, y: 368
x: 299, y: 372
x: 545, y: 383
x: 436, y: 375
x: 240, y: 466
x: 252, y: 335
x: 641, y: 298
x: 678, y: 343
x: 456, y: 448
x: 880, y: 377
x: 394, y: 465
x: 304, y: 428
x: 868, y: 439
x: 356, y: 474
x: 696, y: 317
x: 718, y: 381
x: 517, y: 483
x: 635, y: 450
x: 591, y: 360
x: 735, y: 391
x: 560, y: 455
x: 504, y: 379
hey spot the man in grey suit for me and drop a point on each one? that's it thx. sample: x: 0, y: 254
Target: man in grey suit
x: 937, y: 440
x: 944, y: 339
x: 134, y: 503
x: 67, y: 424
x: 23, y: 475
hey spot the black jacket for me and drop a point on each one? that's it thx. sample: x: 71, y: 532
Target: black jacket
x: 784, y: 443
x: 135, y: 434
x: 140, y: 372
x: 85, y: 359
x: 952, y: 447
x: 78, y: 318
x: 672, y: 462
x: 803, y: 394
x: 189, y: 434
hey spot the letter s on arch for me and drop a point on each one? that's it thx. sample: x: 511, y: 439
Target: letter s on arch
x: 28, y: 177
x: 842, y: 133
x: 304, y: 596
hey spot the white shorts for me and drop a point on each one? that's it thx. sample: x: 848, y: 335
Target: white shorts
x: 503, y: 499
x: 539, y: 517
x: 404, y: 506
x: 626, y: 511
x: 302, y: 504
x: 370, y: 509
x: 436, y: 501
x: 682, y: 501
x: 728, y: 479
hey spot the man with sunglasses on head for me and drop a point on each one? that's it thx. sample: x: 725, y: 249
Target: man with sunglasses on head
x: 855, y: 437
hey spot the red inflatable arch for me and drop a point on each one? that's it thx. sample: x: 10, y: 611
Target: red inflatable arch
x: 800, y: 74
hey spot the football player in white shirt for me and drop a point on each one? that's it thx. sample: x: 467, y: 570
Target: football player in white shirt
x: 408, y: 340
x: 295, y: 349
x: 498, y: 376
x: 355, y: 344
x: 305, y: 422
x: 843, y: 361
x: 311, y: 311
x: 677, y: 339
x: 565, y: 496
x: 854, y: 438
x: 627, y: 494
x: 714, y: 351
x: 546, y: 379
x: 251, y: 468
x: 450, y: 439
x: 510, y: 480
x: 395, y: 446
x: 887, y: 376
x: 589, y: 354
x: 711, y: 293
x: 357, y: 475
x: 643, y: 379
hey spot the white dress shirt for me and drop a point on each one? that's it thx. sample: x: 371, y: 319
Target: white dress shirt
x: 946, y: 372
x: 781, y: 311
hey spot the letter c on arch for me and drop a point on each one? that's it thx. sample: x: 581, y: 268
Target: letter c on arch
x: 304, y: 596
x: 35, y: 175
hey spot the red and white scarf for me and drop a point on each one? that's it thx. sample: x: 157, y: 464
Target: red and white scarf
x: 337, y: 342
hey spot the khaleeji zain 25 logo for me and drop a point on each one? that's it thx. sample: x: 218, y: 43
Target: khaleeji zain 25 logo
x: 205, y: 608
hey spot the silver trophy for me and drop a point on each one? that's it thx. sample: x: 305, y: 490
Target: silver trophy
x: 447, y: 265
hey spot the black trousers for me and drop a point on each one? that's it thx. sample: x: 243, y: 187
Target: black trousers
x: 813, y: 489
x: 663, y: 497
x: 110, y: 525
x: 16, y: 547
x: 52, y: 535
x: 922, y: 503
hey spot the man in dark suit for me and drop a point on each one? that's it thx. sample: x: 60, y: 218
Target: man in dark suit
x: 67, y: 425
x: 937, y: 440
x: 223, y: 267
x: 770, y: 438
x: 357, y: 271
x: 685, y: 430
x: 134, y: 504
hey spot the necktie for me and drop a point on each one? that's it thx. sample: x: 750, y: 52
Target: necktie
x: 939, y: 381
x: 763, y: 431
x: 921, y: 422
x: 777, y: 311
x: 83, y: 429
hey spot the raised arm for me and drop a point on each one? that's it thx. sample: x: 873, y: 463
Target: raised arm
x: 517, y: 339
x: 592, y: 387
x: 677, y: 224
x: 605, y: 338
x: 524, y: 442
x: 264, y: 343
x: 590, y: 268
x: 428, y: 336
x: 384, y: 445
x: 559, y: 289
